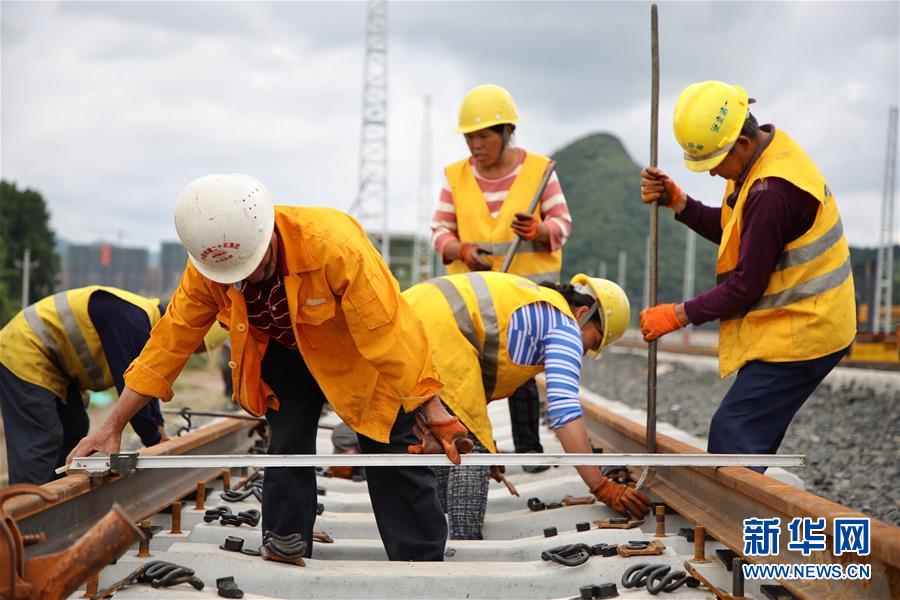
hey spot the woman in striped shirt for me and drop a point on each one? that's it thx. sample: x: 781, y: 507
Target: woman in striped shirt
x: 484, y: 207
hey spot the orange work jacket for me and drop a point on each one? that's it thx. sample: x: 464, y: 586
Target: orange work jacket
x: 361, y: 341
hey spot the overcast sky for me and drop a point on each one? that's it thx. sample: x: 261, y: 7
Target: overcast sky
x: 110, y: 108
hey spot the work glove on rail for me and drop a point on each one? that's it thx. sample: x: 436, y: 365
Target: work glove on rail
x: 658, y: 187
x: 448, y: 436
x: 474, y: 257
x: 624, y: 500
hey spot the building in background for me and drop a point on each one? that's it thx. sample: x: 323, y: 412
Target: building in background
x: 106, y: 264
x: 172, y: 260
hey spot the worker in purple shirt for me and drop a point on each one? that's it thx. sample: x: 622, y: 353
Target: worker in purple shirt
x: 784, y: 296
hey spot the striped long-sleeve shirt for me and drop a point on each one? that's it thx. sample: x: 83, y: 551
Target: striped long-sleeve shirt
x: 554, y: 210
x: 539, y: 333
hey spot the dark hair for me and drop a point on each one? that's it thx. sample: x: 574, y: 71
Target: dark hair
x: 499, y: 129
x: 574, y: 297
x: 751, y: 126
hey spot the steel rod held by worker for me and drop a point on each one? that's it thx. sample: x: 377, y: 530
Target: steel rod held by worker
x: 654, y: 226
x: 548, y: 172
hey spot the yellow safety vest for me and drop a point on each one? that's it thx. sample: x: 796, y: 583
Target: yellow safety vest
x: 467, y: 320
x: 476, y: 225
x: 807, y: 309
x: 53, y: 342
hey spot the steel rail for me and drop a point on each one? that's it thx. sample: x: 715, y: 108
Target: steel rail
x: 721, y: 498
x: 102, y: 464
x: 679, y: 348
x: 84, y: 499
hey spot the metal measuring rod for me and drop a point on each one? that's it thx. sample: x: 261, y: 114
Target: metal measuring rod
x: 124, y: 463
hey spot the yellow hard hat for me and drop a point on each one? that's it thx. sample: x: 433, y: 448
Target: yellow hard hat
x: 485, y: 106
x: 708, y: 119
x: 612, y: 304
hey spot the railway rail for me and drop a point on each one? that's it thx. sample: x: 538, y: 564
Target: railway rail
x: 882, y: 355
x: 707, y: 503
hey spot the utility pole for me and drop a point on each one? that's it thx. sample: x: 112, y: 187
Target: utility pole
x: 623, y: 260
x: 687, y: 290
x: 884, y: 269
x: 371, y: 204
x: 423, y: 261
x: 601, y: 272
x: 26, y: 264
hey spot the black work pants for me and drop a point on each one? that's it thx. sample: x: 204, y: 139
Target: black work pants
x: 40, y: 428
x: 755, y: 413
x: 525, y: 414
x: 404, y: 499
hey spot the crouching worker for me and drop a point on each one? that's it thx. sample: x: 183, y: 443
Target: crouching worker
x: 53, y: 353
x: 489, y: 333
x: 313, y: 314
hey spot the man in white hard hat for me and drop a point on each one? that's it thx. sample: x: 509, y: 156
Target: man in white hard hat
x: 784, y: 299
x: 314, y: 314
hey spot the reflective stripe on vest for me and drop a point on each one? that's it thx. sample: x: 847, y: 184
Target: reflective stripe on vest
x: 76, y: 337
x: 502, y: 248
x: 802, y: 291
x: 803, y: 254
x: 37, y: 325
x: 488, y: 352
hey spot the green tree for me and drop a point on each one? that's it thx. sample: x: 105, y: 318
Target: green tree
x: 6, y: 307
x: 25, y: 223
x: 601, y: 183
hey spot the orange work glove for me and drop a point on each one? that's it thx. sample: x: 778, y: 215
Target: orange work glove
x: 659, y: 320
x: 435, y: 437
x: 341, y: 472
x: 624, y: 500
x: 525, y: 226
x: 658, y: 187
x: 474, y: 257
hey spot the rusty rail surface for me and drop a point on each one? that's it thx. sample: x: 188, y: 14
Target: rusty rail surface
x: 82, y: 500
x: 720, y: 499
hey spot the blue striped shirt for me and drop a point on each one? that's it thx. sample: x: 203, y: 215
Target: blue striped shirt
x: 540, y: 334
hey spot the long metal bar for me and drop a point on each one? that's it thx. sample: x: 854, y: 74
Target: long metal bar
x: 653, y: 296
x: 96, y: 464
x: 511, y: 254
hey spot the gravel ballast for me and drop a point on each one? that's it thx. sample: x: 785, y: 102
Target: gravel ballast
x: 849, y: 430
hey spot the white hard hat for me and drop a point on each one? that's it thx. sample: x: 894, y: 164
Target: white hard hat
x: 225, y: 223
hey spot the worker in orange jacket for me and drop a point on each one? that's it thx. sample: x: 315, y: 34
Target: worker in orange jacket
x: 314, y: 314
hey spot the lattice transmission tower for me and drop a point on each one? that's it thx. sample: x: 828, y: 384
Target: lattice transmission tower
x: 423, y: 254
x: 884, y: 269
x: 371, y: 204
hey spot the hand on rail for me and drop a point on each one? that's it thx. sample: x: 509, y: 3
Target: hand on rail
x: 103, y: 440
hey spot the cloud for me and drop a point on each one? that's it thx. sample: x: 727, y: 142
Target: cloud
x: 110, y: 109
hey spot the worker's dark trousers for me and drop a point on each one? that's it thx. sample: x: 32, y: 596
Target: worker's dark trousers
x: 404, y: 499
x: 525, y: 414
x: 756, y: 412
x: 40, y: 428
